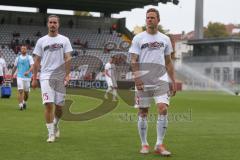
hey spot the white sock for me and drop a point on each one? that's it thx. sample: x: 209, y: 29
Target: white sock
x: 106, y: 93
x: 114, y: 92
x: 23, y: 102
x: 56, y: 121
x: 109, y: 89
x: 50, y: 127
x: 20, y: 105
x: 142, y: 129
x: 162, y: 123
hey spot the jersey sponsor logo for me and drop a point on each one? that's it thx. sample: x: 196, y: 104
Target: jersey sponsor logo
x: 53, y: 47
x: 153, y: 45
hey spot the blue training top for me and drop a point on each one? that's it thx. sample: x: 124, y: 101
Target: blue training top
x: 23, y: 65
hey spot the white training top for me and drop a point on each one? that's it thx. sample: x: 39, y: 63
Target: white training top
x: 52, y: 51
x: 151, y: 49
x: 111, y: 77
x: 2, y: 65
x: 110, y: 69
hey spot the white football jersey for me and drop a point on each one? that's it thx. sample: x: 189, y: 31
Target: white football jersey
x: 152, y: 50
x: 52, y: 51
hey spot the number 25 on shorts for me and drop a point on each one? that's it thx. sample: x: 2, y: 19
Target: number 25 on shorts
x: 45, y: 96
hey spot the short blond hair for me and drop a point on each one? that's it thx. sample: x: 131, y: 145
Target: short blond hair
x: 154, y: 10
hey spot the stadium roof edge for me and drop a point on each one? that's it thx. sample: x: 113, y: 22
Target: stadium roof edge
x: 103, y: 6
x: 214, y: 40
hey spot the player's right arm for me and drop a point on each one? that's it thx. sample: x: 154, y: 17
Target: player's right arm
x: 135, y: 51
x: 14, y: 67
x: 14, y: 70
x: 67, y: 59
x: 36, y: 66
x: 106, y: 73
x: 4, y: 70
x: 135, y: 70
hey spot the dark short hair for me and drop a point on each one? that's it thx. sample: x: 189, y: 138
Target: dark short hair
x: 154, y: 10
x: 55, y: 16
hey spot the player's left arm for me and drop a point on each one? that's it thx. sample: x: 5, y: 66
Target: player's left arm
x: 30, y: 70
x: 36, y: 66
x: 67, y: 59
x: 14, y: 67
x: 14, y: 70
x: 106, y: 73
x: 31, y: 67
x: 171, y: 73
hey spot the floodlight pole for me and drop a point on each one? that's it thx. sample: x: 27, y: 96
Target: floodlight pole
x: 199, y: 19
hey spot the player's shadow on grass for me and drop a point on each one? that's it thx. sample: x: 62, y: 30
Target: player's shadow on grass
x: 106, y: 106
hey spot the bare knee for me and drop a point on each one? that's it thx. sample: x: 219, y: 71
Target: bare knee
x: 58, y: 108
x: 49, y: 107
x: 162, y: 108
x: 143, y: 112
x: 58, y: 111
x: 20, y: 91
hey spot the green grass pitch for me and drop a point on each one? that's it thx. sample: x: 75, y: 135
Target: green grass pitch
x: 202, y: 126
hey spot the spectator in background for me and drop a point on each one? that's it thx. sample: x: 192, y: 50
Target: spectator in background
x: 70, y: 23
x: 74, y: 53
x: 19, y: 20
x: 9, y: 66
x: 31, y: 21
x: 2, y: 20
x: 93, y: 75
x: 77, y: 42
x: 32, y: 43
x: 27, y: 41
x: 12, y: 44
x: 16, y: 34
x: 16, y: 49
x: 85, y: 44
x: 110, y: 30
x: 44, y: 22
x: 12, y: 65
x: 99, y: 30
x: 38, y: 34
x: 119, y: 35
x: 114, y: 27
x: 17, y: 41
x: 84, y: 52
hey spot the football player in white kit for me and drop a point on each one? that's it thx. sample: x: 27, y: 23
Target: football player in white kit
x: 152, y: 47
x: 52, y: 51
x: 110, y: 76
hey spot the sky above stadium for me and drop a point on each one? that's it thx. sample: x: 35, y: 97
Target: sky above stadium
x: 177, y: 18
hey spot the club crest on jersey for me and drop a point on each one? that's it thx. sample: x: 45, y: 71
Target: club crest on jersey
x: 153, y: 45
x: 53, y: 47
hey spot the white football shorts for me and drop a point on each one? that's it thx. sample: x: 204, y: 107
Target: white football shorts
x: 51, y: 93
